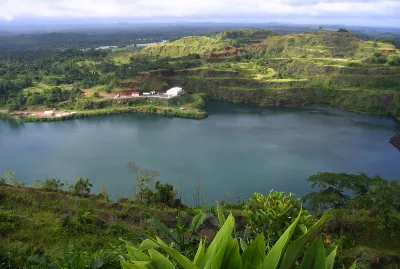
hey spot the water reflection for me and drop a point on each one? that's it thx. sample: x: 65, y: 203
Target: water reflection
x: 12, y: 126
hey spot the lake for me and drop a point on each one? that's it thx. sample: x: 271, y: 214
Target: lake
x: 237, y: 150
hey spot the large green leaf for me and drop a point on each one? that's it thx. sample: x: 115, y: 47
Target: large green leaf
x: 184, y: 262
x: 354, y: 265
x: 136, y: 255
x: 196, y: 222
x: 126, y: 265
x: 297, y: 246
x: 159, y: 261
x: 162, y: 229
x: 314, y: 258
x: 148, y: 244
x: 248, y: 265
x: 253, y: 253
x: 220, y: 238
x: 216, y: 260
x: 242, y: 244
x: 330, y: 260
x: 198, y: 259
x: 232, y: 258
x: 78, y: 262
x: 221, y: 217
x: 274, y: 256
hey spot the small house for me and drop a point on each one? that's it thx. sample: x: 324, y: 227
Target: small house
x: 146, y: 93
x: 174, y: 91
x: 49, y: 113
x: 153, y: 92
x: 135, y: 94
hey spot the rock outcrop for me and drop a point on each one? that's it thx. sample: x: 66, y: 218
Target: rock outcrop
x: 395, y: 141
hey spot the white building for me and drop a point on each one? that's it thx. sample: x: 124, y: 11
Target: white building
x: 49, y: 113
x: 146, y: 93
x: 135, y: 94
x: 174, y: 91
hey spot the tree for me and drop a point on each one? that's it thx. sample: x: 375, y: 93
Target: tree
x: 339, y: 190
x: 50, y: 183
x: 389, y: 40
x: 145, y: 179
x: 82, y: 186
x: 343, y: 30
x: 8, y: 177
x: 165, y: 194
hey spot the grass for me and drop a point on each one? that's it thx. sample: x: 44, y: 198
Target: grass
x: 46, y: 221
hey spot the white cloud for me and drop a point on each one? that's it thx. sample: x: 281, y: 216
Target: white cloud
x: 210, y: 9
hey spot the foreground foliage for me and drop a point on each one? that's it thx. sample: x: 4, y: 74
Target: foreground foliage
x: 37, y: 222
x: 226, y: 252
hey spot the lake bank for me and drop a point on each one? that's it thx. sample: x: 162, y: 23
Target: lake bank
x: 167, y: 111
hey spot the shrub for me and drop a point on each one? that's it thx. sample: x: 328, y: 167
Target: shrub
x: 8, y: 223
x: 82, y: 186
x: 393, y: 60
x: 273, y: 214
x: 181, y: 238
x: 85, y: 218
x: 117, y: 229
x: 165, y: 194
x: 50, y: 184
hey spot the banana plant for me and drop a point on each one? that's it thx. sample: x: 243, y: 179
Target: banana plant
x: 226, y: 252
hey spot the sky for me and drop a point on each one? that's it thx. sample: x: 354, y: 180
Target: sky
x: 345, y: 12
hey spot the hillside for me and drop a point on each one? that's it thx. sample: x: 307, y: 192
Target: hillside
x: 48, y: 225
x: 336, y: 69
x: 323, y: 67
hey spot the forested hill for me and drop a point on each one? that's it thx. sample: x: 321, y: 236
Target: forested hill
x: 267, y: 44
x: 334, y: 68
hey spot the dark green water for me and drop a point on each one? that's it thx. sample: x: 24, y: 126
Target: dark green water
x: 238, y: 149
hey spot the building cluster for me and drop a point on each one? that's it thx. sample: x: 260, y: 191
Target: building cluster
x: 173, y: 92
x: 51, y: 113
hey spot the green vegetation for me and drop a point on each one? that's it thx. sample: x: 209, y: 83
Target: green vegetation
x: 224, y: 252
x: 246, y: 66
x: 54, y: 225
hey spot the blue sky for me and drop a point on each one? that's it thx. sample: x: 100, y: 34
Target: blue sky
x: 350, y: 12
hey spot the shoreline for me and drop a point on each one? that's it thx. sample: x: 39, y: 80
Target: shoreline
x: 167, y: 111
